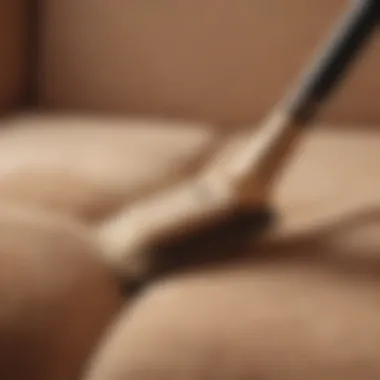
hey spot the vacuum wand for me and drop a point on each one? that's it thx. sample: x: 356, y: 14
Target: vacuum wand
x: 256, y: 163
x: 241, y: 176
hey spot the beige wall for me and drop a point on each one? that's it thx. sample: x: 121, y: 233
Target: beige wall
x: 13, y: 49
x: 219, y: 60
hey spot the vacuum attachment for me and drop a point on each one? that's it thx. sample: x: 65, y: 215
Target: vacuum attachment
x: 229, y: 197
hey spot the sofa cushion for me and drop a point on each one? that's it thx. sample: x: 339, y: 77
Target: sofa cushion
x: 56, y: 296
x: 87, y: 166
x: 304, y: 305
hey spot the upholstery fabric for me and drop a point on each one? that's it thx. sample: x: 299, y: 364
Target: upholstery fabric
x: 13, y: 51
x: 88, y: 166
x: 57, y: 297
x: 221, y: 61
x: 303, y: 305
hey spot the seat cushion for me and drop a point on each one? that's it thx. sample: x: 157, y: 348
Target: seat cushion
x: 87, y: 166
x: 56, y: 297
x: 304, y: 304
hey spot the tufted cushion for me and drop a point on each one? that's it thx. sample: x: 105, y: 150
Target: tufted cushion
x: 305, y: 305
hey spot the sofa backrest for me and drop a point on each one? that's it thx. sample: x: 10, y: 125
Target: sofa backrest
x: 217, y: 60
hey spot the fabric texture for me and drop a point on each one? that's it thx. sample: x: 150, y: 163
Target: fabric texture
x: 57, y: 297
x: 13, y: 52
x: 220, y: 61
x: 304, y: 304
x: 89, y: 166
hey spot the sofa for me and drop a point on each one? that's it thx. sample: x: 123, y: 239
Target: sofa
x: 104, y: 102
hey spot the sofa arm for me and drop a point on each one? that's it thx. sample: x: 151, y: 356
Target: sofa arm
x: 13, y: 52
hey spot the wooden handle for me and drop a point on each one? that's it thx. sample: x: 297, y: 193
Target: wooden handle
x: 243, y: 171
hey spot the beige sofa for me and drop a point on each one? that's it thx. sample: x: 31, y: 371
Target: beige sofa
x: 103, y: 101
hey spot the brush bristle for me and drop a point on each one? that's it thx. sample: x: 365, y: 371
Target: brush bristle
x: 219, y: 241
